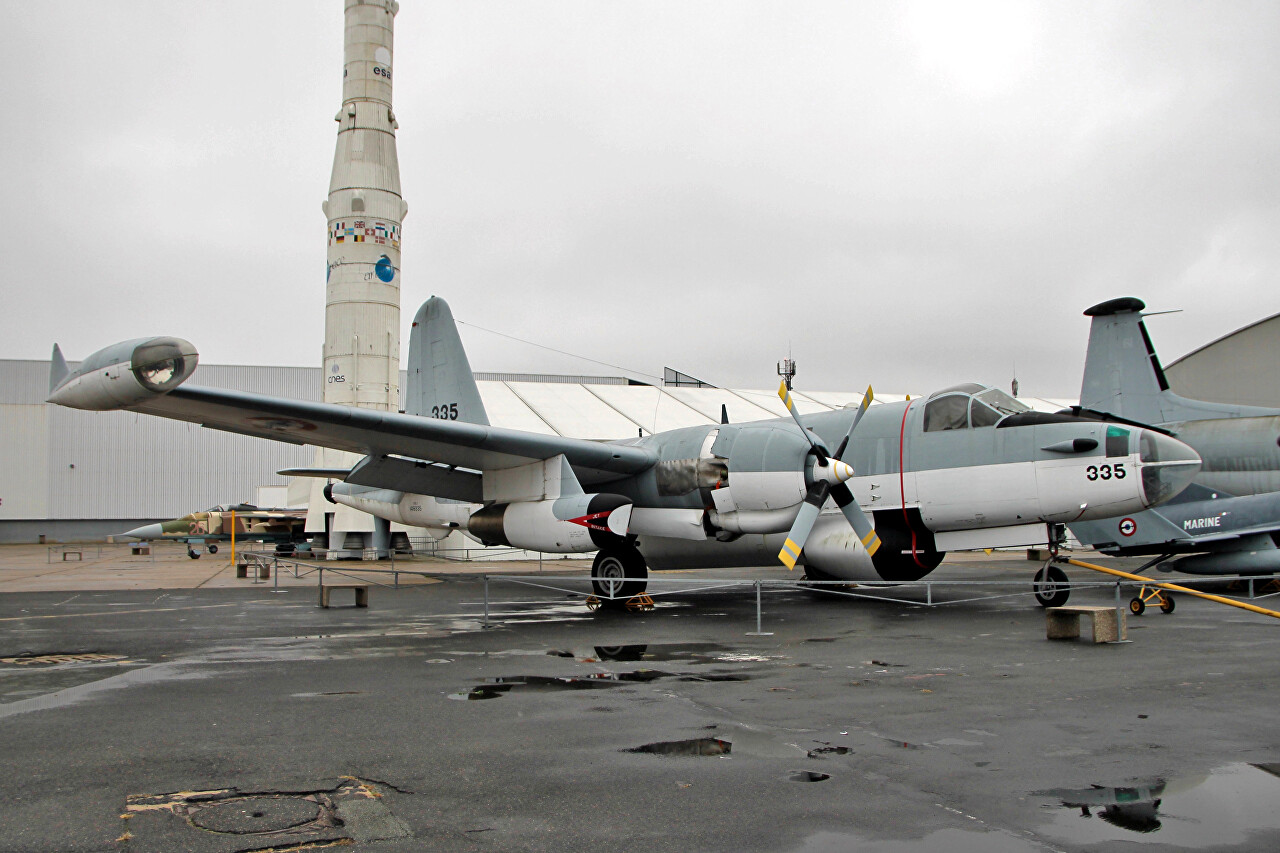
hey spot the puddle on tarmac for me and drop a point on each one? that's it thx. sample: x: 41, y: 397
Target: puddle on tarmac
x: 807, y: 776
x: 492, y: 688
x: 329, y: 693
x: 690, y: 652
x: 153, y: 674
x: 1228, y: 806
x: 824, y: 751
x: 942, y: 841
x: 696, y: 746
x: 695, y: 653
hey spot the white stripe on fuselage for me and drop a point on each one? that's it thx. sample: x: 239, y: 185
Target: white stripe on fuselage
x: 1008, y: 494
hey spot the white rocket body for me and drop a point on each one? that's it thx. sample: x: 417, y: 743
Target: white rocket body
x: 364, y: 213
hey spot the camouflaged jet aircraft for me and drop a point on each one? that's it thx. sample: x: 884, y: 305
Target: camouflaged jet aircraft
x: 208, y: 528
x: 1228, y: 521
x: 967, y: 467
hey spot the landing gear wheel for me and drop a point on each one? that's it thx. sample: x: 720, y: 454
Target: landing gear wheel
x: 213, y: 549
x: 611, y: 566
x: 1050, y: 587
x: 193, y: 553
x: 1137, y: 606
x: 1166, y: 606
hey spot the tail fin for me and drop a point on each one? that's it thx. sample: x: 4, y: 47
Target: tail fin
x: 1123, y: 376
x: 440, y: 383
x: 58, y: 369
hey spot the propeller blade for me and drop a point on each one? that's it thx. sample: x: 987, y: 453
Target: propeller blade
x: 785, y: 394
x: 829, y: 476
x: 803, y: 524
x: 862, y: 410
x: 857, y: 518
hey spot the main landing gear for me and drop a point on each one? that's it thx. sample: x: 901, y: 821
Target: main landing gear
x: 618, y: 573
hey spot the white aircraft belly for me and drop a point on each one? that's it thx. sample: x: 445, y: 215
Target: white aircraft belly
x: 979, y: 495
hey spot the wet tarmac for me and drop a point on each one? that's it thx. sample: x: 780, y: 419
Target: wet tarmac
x: 236, y: 718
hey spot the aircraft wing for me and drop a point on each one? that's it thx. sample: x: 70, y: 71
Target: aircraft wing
x: 284, y: 515
x: 376, y: 434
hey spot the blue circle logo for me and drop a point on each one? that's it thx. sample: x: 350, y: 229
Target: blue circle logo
x: 384, y: 269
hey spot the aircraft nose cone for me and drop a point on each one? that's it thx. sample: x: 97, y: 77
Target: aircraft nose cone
x: 146, y: 531
x: 1168, y: 466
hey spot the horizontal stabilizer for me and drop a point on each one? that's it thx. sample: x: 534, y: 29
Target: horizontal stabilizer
x: 331, y: 473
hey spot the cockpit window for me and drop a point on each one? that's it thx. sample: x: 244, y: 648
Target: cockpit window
x: 1002, y: 402
x: 964, y: 388
x: 971, y: 404
x: 946, y: 412
x: 982, y: 415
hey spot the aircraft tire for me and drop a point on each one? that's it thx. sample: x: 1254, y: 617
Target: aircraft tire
x: 1137, y: 606
x: 1050, y: 587
x: 1167, y: 606
x: 618, y: 562
x: 193, y: 553
x: 213, y: 549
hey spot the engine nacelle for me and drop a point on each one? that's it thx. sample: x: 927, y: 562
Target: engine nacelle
x: 907, y: 551
x: 126, y: 374
x: 568, y: 525
x: 404, y: 508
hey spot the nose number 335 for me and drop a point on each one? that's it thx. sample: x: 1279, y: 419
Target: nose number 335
x: 1105, y: 472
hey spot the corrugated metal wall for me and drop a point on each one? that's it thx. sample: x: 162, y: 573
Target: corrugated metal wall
x: 24, y: 434
x: 66, y: 464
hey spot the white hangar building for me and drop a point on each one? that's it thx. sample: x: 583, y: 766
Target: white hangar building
x: 72, y: 475
x: 1236, y: 368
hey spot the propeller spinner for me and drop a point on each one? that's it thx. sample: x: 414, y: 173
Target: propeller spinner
x: 827, y: 479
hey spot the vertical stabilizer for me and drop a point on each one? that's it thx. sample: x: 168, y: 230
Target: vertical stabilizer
x: 57, y: 368
x: 440, y: 383
x: 1123, y: 376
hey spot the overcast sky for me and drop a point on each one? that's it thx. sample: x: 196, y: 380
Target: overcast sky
x: 907, y: 194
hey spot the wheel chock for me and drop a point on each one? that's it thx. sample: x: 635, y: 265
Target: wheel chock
x: 640, y: 603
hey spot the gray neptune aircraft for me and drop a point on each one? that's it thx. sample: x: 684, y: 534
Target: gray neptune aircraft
x: 1228, y: 520
x: 968, y: 467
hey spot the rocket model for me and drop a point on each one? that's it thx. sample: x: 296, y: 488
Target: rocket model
x: 364, y: 212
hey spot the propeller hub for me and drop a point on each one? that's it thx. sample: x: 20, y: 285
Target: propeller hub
x: 834, y: 472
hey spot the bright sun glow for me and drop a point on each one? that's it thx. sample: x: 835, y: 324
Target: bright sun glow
x: 981, y: 48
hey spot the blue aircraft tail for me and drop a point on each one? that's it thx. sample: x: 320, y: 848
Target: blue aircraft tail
x: 440, y: 383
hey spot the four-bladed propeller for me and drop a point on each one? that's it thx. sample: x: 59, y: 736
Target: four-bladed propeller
x: 827, y: 479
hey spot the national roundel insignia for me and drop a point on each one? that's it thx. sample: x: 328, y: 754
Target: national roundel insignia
x: 1128, y: 527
